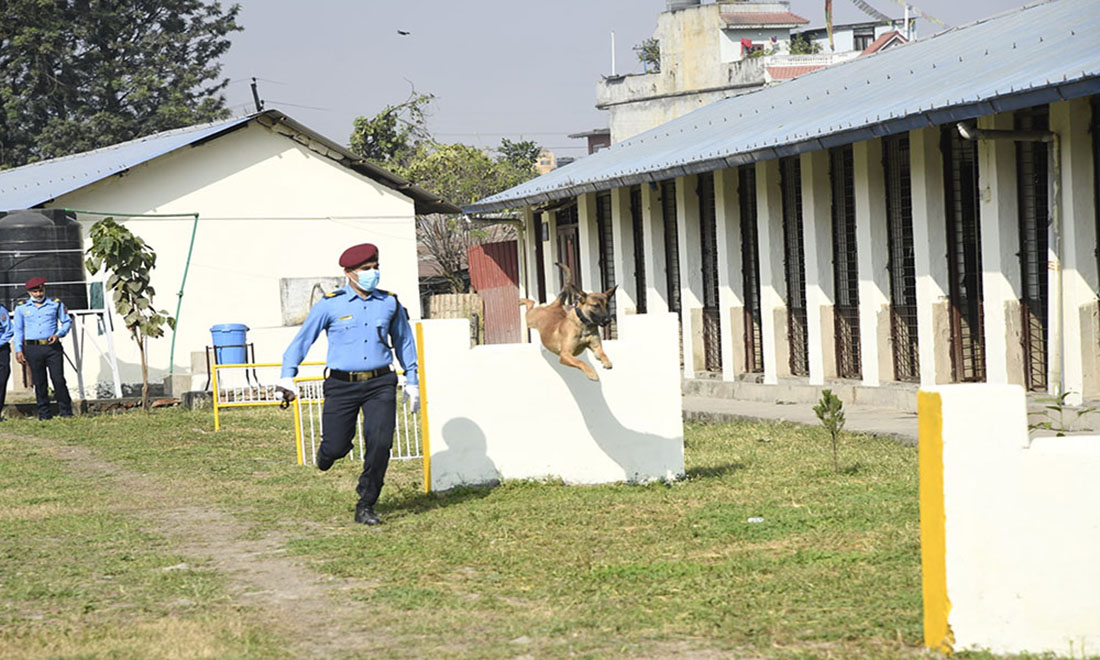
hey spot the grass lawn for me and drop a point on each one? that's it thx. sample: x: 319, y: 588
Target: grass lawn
x: 523, y: 569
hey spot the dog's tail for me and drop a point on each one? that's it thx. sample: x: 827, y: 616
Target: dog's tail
x: 570, y: 292
x: 526, y: 301
x: 568, y: 273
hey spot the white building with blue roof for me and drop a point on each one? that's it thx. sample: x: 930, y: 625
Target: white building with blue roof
x: 276, y: 204
x: 839, y: 229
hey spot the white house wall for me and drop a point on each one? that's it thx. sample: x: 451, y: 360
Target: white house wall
x: 269, y: 209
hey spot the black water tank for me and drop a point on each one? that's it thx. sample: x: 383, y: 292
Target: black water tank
x: 42, y: 243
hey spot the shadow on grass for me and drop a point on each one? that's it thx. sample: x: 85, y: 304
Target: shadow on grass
x: 712, y: 471
x: 419, y: 502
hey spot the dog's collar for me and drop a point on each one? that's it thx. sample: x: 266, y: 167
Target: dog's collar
x: 585, y: 320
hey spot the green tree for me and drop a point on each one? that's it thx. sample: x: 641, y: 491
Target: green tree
x: 395, y: 136
x: 830, y: 410
x: 649, y: 54
x: 460, y: 174
x: 522, y: 154
x: 803, y: 45
x: 398, y: 139
x: 130, y: 262
x: 76, y: 75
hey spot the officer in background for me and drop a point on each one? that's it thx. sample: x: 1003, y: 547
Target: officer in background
x: 5, y: 356
x: 39, y: 324
x: 365, y: 326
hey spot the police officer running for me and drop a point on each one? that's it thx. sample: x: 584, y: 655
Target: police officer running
x: 5, y: 356
x: 39, y: 324
x: 360, y: 321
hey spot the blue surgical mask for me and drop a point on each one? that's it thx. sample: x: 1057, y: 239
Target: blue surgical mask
x: 368, y: 279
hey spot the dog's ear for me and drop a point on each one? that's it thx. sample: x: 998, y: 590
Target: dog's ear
x: 610, y: 292
x: 582, y: 297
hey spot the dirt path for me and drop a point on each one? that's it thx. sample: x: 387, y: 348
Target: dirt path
x: 309, y: 608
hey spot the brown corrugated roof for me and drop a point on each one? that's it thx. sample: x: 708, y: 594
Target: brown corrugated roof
x: 788, y: 72
x: 771, y: 18
x: 883, y: 40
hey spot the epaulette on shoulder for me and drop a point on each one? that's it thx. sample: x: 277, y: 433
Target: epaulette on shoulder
x: 20, y: 303
x: 57, y: 300
x: 333, y: 294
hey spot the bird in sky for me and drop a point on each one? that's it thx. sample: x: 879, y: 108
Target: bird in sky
x: 402, y: 33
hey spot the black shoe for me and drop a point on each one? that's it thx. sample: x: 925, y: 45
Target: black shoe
x: 324, y: 462
x: 364, y: 513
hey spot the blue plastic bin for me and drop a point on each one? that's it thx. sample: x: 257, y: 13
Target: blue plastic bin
x: 229, y: 343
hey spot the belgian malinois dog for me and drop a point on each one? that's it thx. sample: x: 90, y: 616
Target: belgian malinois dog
x: 572, y: 322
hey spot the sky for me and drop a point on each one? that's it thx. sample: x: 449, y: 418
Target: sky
x: 521, y: 69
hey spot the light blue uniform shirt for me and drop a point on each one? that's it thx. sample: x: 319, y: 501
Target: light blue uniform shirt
x: 6, y: 330
x: 360, y: 332
x: 34, y: 321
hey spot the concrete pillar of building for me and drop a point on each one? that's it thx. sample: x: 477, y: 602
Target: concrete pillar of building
x: 930, y: 256
x: 550, y: 254
x: 773, y: 310
x: 817, y: 248
x: 653, y: 237
x: 728, y: 238
x: 1080, y: 280
x: 588, y: 242
x: 622, y: 245
x: 691, y: 275
x: 872, y: 255
x: 999, y: 217
x: 528, y: 234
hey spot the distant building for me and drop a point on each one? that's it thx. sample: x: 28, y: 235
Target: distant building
x: 714, y: 51
x: 860, y: 38
x: 546, y: 161
x: 597, y: 138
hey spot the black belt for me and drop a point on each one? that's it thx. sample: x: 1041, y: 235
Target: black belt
x: 359, y: 376
x: 37, y: 342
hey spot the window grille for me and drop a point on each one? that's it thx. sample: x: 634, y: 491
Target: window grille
x: 708, y: 235
x: 794, y: 264
x: 672, y: 244
x: 607, y: 257
x: 1034, y: 216
x: 750, y: 268
x: 637, y: 225
x: 964, y: 257
x: 901, y: 263
x: 845, y: 266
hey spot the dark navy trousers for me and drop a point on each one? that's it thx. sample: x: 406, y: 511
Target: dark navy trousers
x: 377, y: 399
x: 51, y: 358
x: 5, y: 371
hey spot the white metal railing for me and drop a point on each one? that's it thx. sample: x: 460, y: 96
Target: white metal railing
x: 309, y: 427
x: 249, y: 385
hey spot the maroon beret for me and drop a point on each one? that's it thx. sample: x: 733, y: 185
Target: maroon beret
x: 35, y: 282
x: 358, y: 254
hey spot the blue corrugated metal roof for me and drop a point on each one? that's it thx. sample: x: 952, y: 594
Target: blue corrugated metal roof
x: 1029, y: 56
x: 30, y: 185
x: 38, y: 183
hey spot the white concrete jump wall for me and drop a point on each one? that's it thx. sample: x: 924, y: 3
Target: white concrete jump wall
x: 511, y: 411
x: 1010, y: 561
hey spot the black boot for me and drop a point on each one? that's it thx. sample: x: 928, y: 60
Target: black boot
x: 364, y: 513
x: 323, y: 462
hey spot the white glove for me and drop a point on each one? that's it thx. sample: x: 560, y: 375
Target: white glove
x: 288, y: 388
x: 412, y: 398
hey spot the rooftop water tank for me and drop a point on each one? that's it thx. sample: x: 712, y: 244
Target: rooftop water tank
x: 42, y: 243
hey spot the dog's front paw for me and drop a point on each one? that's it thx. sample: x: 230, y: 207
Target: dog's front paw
x: 593, y: 376
x: 606, y: 364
